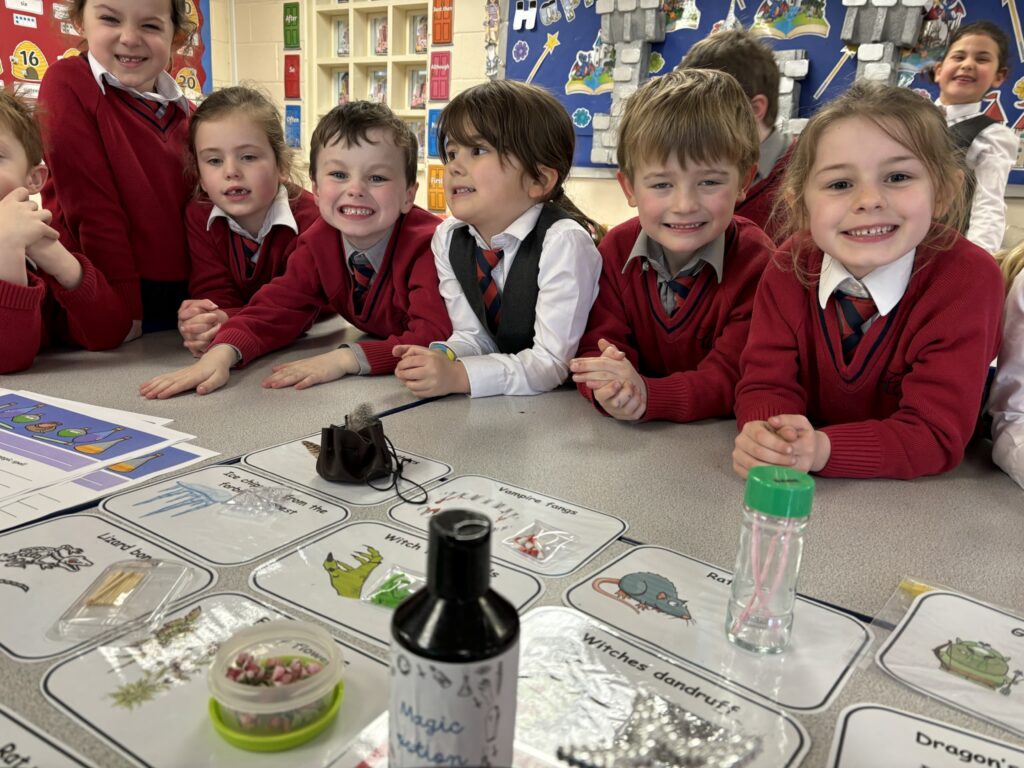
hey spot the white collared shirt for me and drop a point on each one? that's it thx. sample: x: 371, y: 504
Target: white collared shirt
x: 1006, y: 401
x: 886, y: 284
x: 653, y: 255
x: 570, y: 266
x: 279, y: 213
x: 167, y: 90
x: 991, y: 157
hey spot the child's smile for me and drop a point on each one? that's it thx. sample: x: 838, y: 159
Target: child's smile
x: 131, y: 39
x: 969, y: 70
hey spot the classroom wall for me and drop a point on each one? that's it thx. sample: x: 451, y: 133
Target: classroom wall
x: 258, y: 39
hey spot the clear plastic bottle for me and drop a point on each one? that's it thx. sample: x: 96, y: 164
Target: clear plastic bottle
x: 776, y: 506
x: 454, y: 656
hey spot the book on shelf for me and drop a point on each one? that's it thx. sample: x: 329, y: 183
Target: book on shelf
x: 341, y: 86
x: 418, y: 33
x: 419, y: 130
x: 379, y: 33
x: 378, y: 86
x: 341, y: 36
x: 418, y: 89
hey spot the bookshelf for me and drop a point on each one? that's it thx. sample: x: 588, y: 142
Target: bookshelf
x: 371, y: 49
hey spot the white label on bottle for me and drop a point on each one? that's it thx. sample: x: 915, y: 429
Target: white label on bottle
x: 452, y: 714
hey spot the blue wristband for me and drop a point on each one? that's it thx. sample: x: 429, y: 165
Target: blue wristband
x: 442, y: 347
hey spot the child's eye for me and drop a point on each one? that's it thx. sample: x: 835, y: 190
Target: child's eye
x: 477, y: 151
x: 839, y: 186
x: 377, y: 179
x: 661, y: 185
x: 896, y: 178
x: 709, y: 183
x: 338, y: 175
x: 249, y: 158
x: 450, y: 154
x: 213, y: 161
x: 108, y: 19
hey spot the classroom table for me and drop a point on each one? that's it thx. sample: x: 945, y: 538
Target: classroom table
x: 673, y: 484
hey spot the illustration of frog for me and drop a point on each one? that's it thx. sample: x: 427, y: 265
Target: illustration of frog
x: 642, y: 591
x: 978, y: 662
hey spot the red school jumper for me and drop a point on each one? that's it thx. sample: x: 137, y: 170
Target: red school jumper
x: 33, y: 316
x: 689, y: 360
x: 403, y: 306
x: 117, y: 185
x: 759, y: 202
x: 907, y: 403
x: 220, y: 268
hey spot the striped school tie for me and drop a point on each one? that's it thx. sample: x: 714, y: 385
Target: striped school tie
x: 487, y: 260
x: 362, y: 276
x: 681, y: 286
x: 247, y: 248
x: 854, y: 315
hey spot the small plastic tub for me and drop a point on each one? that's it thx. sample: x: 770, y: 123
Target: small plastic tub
x: 276, y: 685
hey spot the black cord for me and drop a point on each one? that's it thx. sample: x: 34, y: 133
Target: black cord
x: 396, y: 474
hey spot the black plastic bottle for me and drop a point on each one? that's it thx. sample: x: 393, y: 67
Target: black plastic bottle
x: 454, y: 656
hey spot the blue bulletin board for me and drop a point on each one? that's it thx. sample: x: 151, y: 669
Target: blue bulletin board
x: 566, y: 55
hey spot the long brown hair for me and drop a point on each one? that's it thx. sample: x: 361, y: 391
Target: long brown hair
x: 521, y: 121
x: 906, y: 118
x: 260, y: 111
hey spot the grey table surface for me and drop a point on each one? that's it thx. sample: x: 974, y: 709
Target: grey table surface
x: 673, y: 484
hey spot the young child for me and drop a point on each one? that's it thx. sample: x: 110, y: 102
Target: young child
x: 56, y: 295
x: 367, y: 258
x: 678, y: 283
x: 974, y: 64
x: 116, y: 128
x: 517, y: 264
x: 752, y: 63
x: 1006, y: 401
x: 242, y: 232
x: 868, y: 353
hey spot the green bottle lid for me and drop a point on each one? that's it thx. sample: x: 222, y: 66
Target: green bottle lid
x: 779, y: 491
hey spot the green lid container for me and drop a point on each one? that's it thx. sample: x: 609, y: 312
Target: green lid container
x: 779, y: 491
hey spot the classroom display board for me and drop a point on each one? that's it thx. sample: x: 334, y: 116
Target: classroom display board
x: 962, y: 652
x: 225, y: 515
x: 295, y: 462
x: 22, y: 744
x: 354, y: 576
x: 677, y: 605
x: 565, y: 54
x: 870, y: 734
x: 530, y: 530
x: 148, y: 699
x: 35, y: 34
x: 46, y: 566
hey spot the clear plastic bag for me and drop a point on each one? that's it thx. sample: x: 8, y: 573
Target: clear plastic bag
x: 539, y: 543
x: 392, y: 587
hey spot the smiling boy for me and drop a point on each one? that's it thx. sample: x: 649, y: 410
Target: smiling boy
x: 678, y: 281
x: 368, y: 259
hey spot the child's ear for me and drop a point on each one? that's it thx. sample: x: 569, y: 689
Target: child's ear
x: 540, y: 189
x: 746, y: 182
x: 627, y: 188
x: 759, y: 104
x: 36, y: 178
x: 1000, y: 77
x: 410, y: 197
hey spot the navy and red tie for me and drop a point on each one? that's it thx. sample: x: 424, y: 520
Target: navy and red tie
x: 681, y: 286
x: 362, y: 276
x: 486, y: 261
x: 248, y: 248
x: 854, y: 313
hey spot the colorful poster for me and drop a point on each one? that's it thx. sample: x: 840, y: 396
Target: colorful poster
x: 39, y: 34
x: 291, y: 27
x: 293, y: 125
x: 291, y: 76
x: 440, y: 75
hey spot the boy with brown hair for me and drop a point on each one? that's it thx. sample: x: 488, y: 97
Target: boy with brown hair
x: 46, y: 292
x: 752, y: 63
x: 677, y: 284
x: 368, y: 259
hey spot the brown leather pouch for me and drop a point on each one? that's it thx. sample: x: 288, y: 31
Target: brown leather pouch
x: 353, y: 456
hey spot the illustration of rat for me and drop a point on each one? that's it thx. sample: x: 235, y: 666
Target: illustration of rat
x: 642, y: 591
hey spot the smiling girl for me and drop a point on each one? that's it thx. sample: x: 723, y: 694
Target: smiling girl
x: 116, y: 128
x: 868, y: 352
x: 245, y: 225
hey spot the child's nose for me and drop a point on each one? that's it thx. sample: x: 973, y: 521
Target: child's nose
x: 685, y: 200
x: 870, y: 197
x: 129, y: 35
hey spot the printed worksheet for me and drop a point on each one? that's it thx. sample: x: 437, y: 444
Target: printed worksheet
x: 962, y: 652
x: 42, y: 443
x: 882, y: 737
x: 24, y: 746
x: 150, y: 700
x: 354, y: 577
x: 111, y: 479
x: 295, y: 463
x: 225, y: 514
x: 677, y: 604
x: 531, y: 530
x: 45, y: 567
